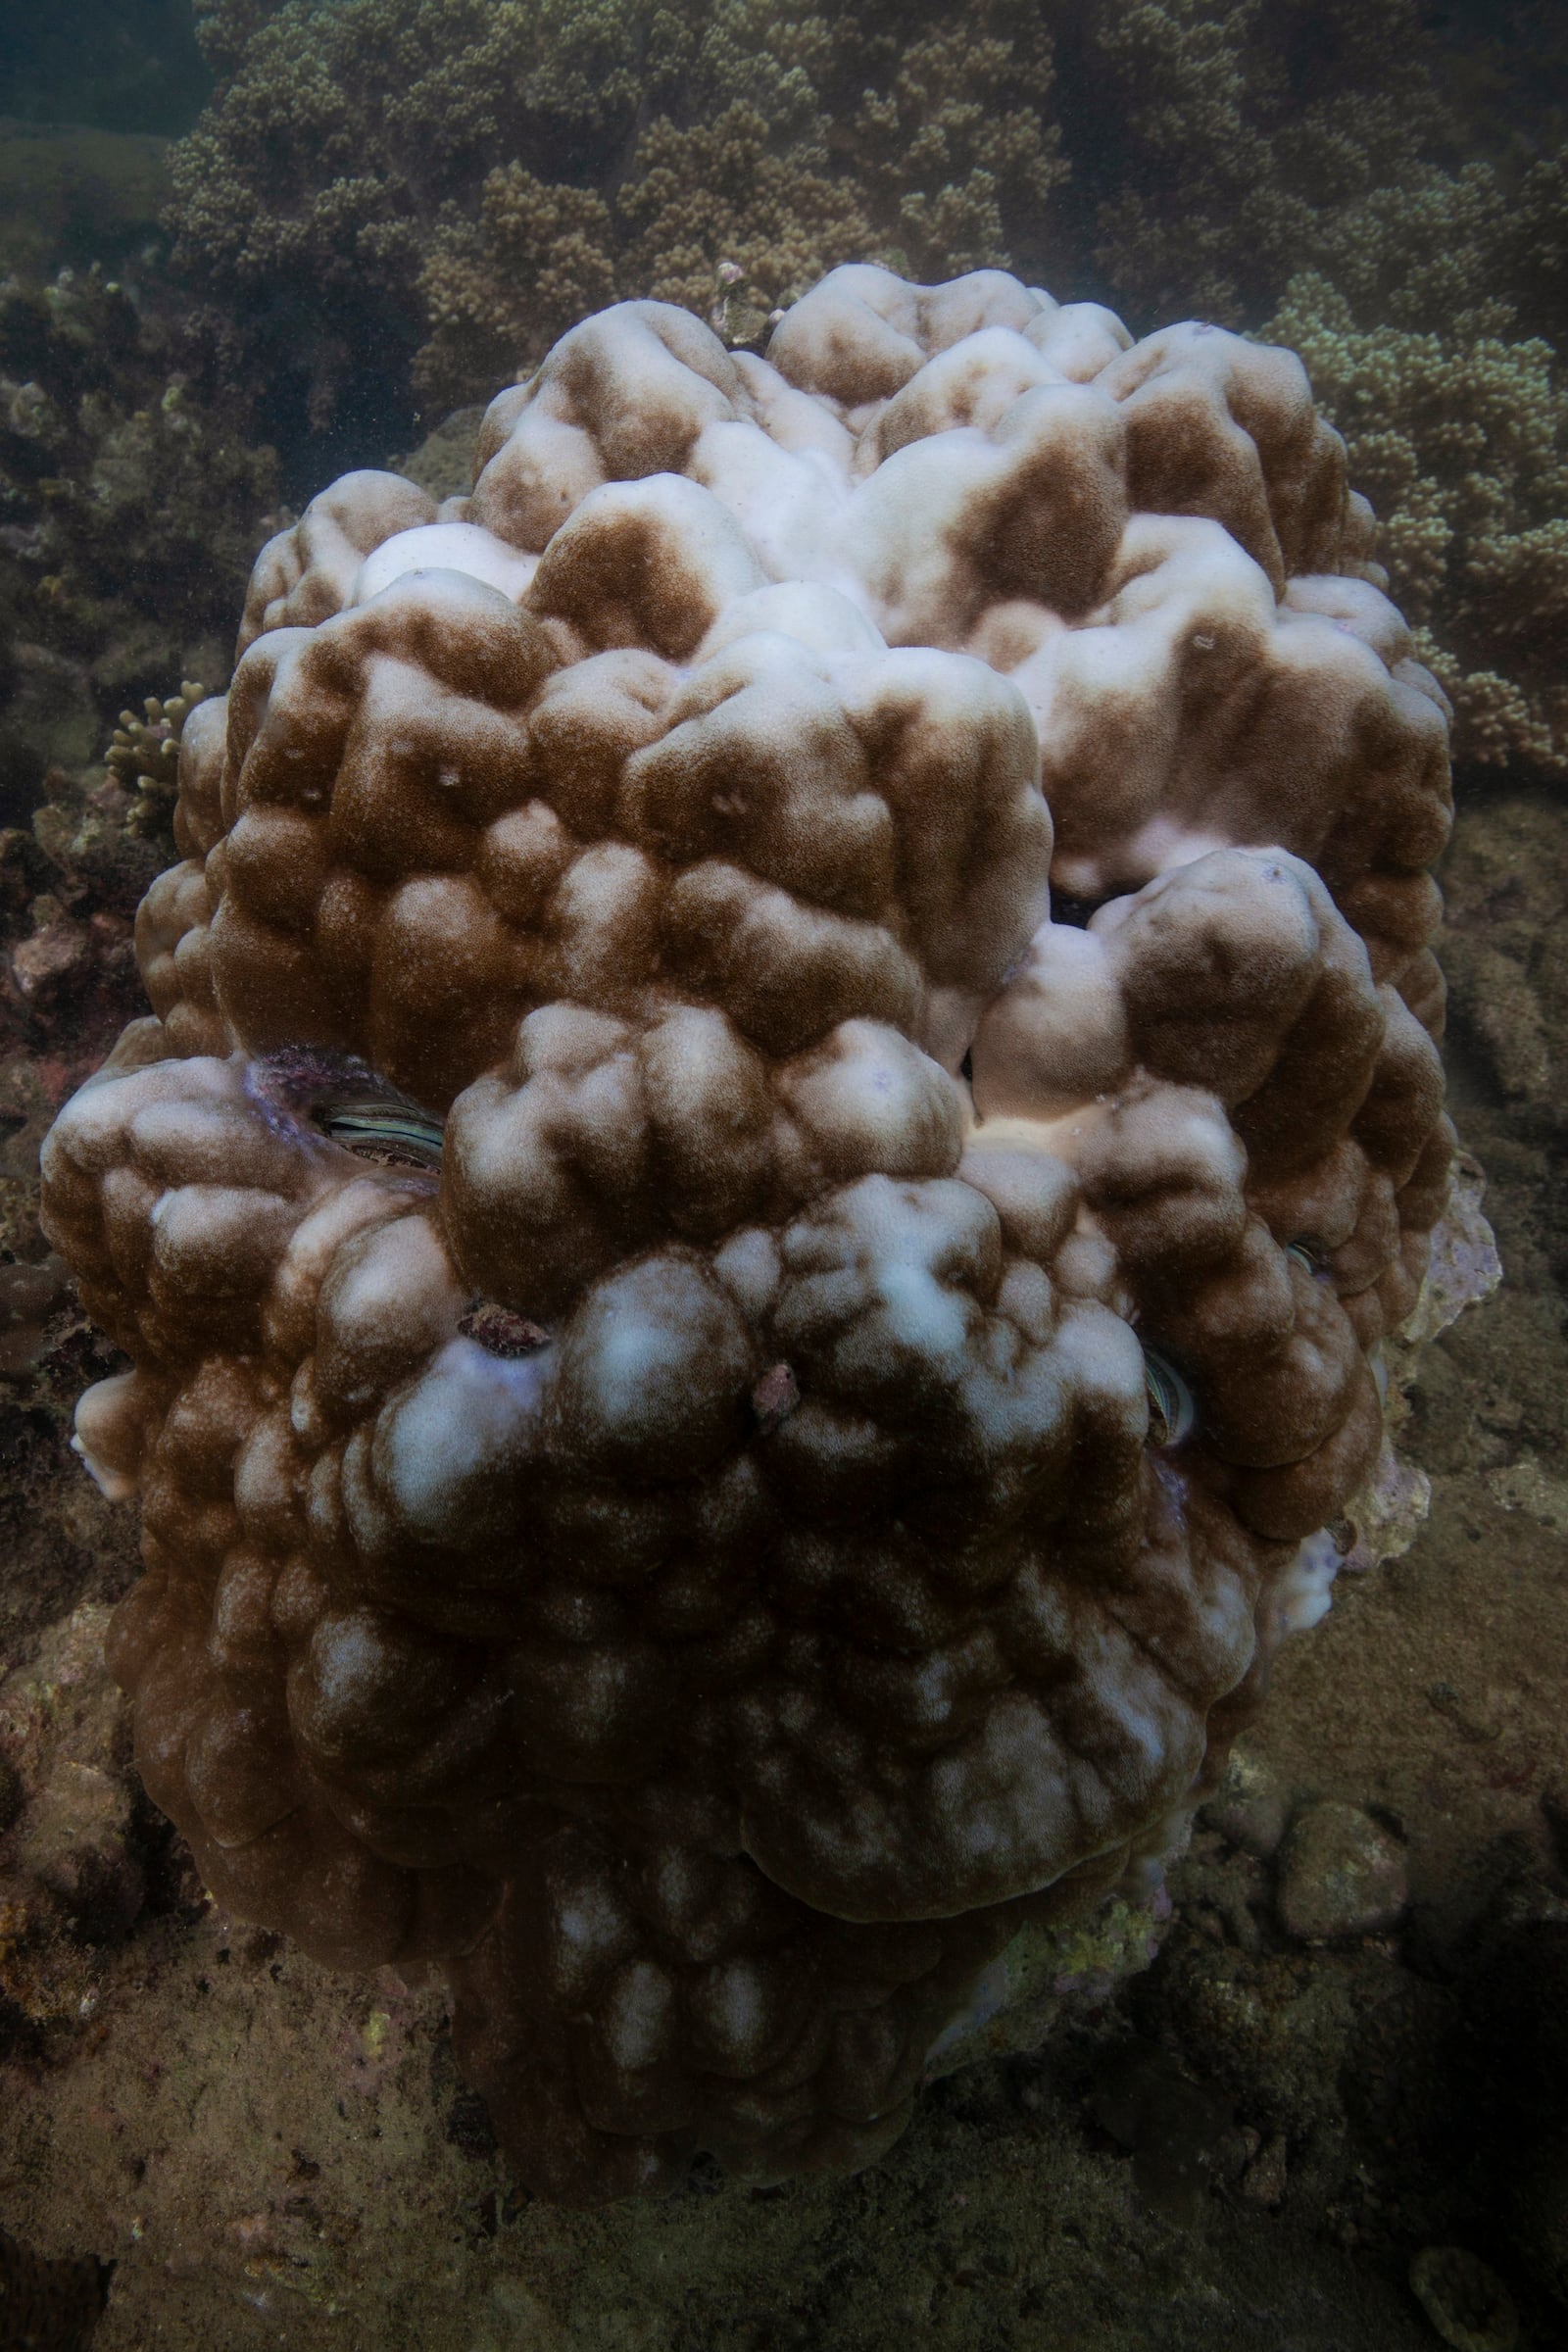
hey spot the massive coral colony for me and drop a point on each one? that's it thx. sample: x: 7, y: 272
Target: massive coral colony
x: 791, y: 1082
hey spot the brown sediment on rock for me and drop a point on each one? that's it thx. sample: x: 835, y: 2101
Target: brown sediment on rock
x: 693, y: 1555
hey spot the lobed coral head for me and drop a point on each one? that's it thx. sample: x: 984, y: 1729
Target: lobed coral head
x: 725, y: 1410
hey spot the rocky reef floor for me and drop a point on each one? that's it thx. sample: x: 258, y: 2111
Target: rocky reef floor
x: 1328, y: 2117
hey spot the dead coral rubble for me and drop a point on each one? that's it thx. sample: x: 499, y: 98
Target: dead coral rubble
x: 648, y: 1253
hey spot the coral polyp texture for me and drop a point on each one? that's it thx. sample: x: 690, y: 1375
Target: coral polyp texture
x: 728, y: 1412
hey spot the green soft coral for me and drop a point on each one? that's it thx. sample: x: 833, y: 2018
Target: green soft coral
x: 1461, y: 444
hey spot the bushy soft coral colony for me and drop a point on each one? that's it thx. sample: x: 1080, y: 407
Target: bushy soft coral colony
x: 447, y: 184
x: 728, y: 1411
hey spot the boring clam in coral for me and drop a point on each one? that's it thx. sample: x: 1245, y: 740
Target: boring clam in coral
x: 791, y: 1083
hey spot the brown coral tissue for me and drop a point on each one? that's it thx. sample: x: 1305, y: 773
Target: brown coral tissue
x: 727, y: 1408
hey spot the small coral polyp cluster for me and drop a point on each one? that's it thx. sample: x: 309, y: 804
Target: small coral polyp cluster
x: 647, y: 1249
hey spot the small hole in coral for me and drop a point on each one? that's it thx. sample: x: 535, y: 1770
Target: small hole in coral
x: 1076, y: 913
x: 500, y: 1331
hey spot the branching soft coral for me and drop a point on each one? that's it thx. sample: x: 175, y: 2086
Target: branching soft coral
x: 1300, y: 164
x: 961, y: 141
x: 479, y: 175
x: 427, y: 191
x: 324, y: 176
x: 1462, y: 446
x: 1232, y: 139
x: 128, y: 490
x: 499, y: 290
x: 716, y: 194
